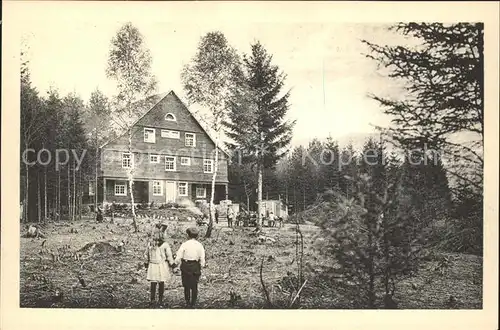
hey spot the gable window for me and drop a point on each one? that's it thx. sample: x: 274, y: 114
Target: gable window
x: 183, y: 188
x: 154, y: 159
x: 169, y: 163
x: 170, y: 134
x: 190, y: 139
x: 149, y: 135
x: 126, y: 160
x: 208, y: 165
x: 201, y: 192
x: 170, y: 117
x: 157, y: 188
x: 120, y: 190
x: 185, y: 161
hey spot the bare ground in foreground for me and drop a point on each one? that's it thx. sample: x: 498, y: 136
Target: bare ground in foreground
x: 114, y: 279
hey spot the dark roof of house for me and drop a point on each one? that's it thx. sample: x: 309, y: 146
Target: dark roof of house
x: 150, y: 102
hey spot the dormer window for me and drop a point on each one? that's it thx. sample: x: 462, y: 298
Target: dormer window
x: 170, y: 117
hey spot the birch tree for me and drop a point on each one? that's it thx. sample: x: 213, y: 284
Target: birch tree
x: 209, y: 81
x: 129, y: 65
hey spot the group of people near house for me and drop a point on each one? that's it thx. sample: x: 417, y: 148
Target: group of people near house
x: 161, y: 263
x: 235, y: 218
x: 230, y: 216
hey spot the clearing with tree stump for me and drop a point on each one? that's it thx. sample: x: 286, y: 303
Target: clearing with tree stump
x: 100, y: 265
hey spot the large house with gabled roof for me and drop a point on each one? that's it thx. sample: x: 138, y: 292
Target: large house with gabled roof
x: 173, y: 156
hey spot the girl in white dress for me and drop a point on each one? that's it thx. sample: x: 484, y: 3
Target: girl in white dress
x: 159, y: 262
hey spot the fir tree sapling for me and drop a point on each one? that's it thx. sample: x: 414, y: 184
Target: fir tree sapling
x: 378, y: 236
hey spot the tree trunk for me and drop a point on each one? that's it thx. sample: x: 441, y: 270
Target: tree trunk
x: 53, y: 203
x: 45, y: 208
x: 295, y: 205
x: 39, y: 201
x: 80, y: 202
x: 286, y: 193
x: 387, y: 260
x: 304, y: 199
x: 69, y: 192
x: 247, y: 193
x: 95, y: 183
x: 74, y: 191
x: 131, y: 181
x: 58, y: 206
x: 212, y: 193
x: 259, y: 196
x: 371, y: 270
x: 26, y: 195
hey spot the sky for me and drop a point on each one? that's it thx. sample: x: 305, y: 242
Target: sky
x: 328, y: 74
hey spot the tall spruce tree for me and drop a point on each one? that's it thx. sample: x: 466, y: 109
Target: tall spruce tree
x: 55, y: 135
x: 75, y: 144
x: 97, y: 124
x: 265, y: 133
x: 32, y: 129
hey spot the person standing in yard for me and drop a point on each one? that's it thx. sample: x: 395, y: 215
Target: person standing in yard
x: 271, y: 219
x: 230, y: 216
x: 191, y: 258
x: 159, y: 260
x: 99, y: 216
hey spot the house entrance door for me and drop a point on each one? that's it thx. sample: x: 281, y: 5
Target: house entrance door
x: 171, y: 191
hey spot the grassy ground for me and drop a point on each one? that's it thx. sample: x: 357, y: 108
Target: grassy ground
x: 231, y: 280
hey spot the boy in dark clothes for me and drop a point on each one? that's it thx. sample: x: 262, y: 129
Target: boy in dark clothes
x: 191, y: 257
